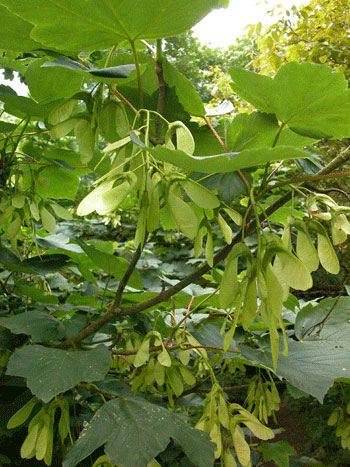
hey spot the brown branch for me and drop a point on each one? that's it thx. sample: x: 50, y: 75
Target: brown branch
x: 123, y: 283
x: 168, y: 293
x: 124, y: 99
x: 305, y: 179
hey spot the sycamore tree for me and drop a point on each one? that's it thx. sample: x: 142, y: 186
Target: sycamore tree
x: 316, y: 32
x: 151, y: 258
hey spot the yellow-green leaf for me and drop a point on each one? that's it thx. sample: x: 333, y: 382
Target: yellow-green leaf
x: 183, y: 215
x: 47, y: 219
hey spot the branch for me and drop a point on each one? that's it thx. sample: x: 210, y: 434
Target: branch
x: 307, y: 178
x: 123, y: 283
x: 114, y: 312
x: 337, y: 162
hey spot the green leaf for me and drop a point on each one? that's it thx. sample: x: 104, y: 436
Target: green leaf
x: 259, y: 130
x: 115, y: 72
x: 46, y: 264
x: 311, y: 99
x: 57, y: 183
x: 43, y: 264
x: 15, y: 33
x: 96, y: 26
x: 186, y: 93
x: 230, y: 162
x: 113, y: 265
x: 23, y: 107
x: 50, y: 84
x: 42, y: 327
x: 228, y: 185
x: 134, y: 431
x: 36, y: 294
x: 278, y: 452
x: 51, y: 371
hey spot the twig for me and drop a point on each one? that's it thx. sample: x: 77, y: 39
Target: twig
x: 123, y: 283
x: 138, y: 72
x: 124, y: 99
x: 188, y: 311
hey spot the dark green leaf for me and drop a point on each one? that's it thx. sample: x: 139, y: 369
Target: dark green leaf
x: 23, y: 106
x: 311, y: 366
x: 6, y: 127
x: 40, y: 81
x: 113, y: 265
x: 42, y: 327
x: 135, y: 431
x: 115, y: 72
x: 51, y: 371
x: 36, y: 294
x: 46, y: 264
x: 228, y: 185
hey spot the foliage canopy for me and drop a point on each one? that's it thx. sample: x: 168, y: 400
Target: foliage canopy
x: 150, y: 253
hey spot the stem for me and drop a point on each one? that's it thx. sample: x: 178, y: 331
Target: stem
x: 138, y: 71
x: 278, y: 135
x: 186, y: 316
x: 110, y: 55
x: 217, y: 136
x: 124, y: 99
x: 19, y: 138
x: 162, y: 88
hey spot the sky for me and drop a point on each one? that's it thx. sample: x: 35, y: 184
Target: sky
x: 221, y: 27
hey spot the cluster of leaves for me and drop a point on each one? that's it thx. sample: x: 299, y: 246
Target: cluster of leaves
x: 317, y: 32
x: 117, y: 331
